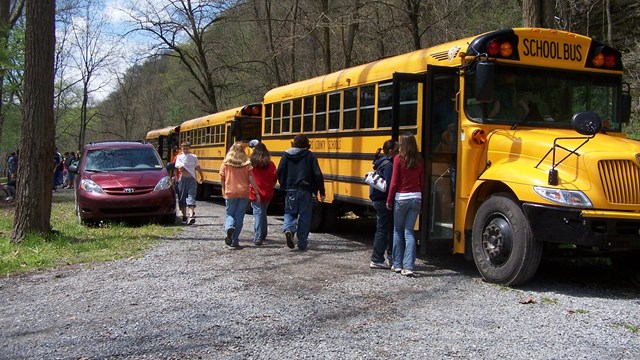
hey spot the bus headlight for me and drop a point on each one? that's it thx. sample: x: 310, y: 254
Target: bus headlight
x: 565, y: 197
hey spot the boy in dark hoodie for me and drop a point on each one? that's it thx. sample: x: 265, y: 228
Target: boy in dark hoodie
x: 300, y: 177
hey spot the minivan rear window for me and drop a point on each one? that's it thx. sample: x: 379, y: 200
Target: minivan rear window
x: 122, y: 159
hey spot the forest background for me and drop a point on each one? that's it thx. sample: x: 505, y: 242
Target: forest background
x: 203, y: 56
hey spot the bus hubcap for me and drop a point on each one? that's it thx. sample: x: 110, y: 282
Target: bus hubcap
x: 496, y: 241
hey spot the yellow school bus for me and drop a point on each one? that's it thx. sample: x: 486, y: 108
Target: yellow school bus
x: 521, y: 134
x: 165, y: 140
x: 212, y: 135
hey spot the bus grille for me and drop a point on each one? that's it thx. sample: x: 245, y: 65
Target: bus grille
x: 620, y: 181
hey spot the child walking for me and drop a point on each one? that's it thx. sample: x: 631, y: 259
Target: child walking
x: 236, y: 175
x: 264, y: 173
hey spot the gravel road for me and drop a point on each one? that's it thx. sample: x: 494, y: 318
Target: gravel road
x: 191, y: 297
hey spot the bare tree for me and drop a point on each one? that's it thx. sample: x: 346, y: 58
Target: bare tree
x: 65, y: 95
x: 269, y: 37
x: 33, y: 210
x: 326, y: 36
x: 180, y: 26
x: 10, y: 12
x: 93, y: 52
x: 353, y: 24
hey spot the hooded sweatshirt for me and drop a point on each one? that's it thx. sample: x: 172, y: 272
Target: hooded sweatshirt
x: 299, y: 170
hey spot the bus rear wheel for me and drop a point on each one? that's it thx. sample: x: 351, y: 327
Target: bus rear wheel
x: 504, y: 248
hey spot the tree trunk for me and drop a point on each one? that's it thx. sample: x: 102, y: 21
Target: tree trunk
x: 538, y: 13
x: 326, y: 32
x: 609, y: 24
x: 530, y: 13
x: 413, y: 12
x: 33, y: 209
x: 294, y: 36
x: 270, y: 41
x: 382, y: 51
x: 351, y: 34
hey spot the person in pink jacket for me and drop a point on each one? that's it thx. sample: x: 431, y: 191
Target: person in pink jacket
x: 264, y: 173
x: 236, y: 174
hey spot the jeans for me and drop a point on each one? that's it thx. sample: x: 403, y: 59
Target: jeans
x: 235, y: 216
x: 383, y: 238
x: 298, y: 208
x: 259, y: 220
x: 405, y: 213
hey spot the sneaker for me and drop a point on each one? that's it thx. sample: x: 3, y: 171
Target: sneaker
x: 236, y: 247
x: 192, y: 220
x: 289, y: 236
x: 227, y: 240
x: 395, y: 269
x: 375, y: 265
x: 407, y: 272
x: 184, y: 219
x: 258, y: 242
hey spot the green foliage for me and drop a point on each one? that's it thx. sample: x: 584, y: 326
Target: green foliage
x: 72, y: 243
x: 632, y: 130
x: 11, y: 129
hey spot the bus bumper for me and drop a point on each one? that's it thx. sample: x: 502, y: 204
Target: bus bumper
x: 601, y: 230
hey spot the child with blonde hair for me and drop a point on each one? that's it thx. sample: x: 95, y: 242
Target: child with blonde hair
x: 236, y: 174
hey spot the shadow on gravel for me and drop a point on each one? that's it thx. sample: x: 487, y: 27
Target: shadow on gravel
x: 571, y: 276
x: 584, y: 278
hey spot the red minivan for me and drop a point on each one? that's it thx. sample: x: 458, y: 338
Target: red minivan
x: 122, y: 180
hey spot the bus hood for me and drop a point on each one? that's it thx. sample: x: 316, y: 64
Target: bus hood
x: 523, y: 157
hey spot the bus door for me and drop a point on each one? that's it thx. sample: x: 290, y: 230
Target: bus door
x: 408, y: 113
x: 439, y: 148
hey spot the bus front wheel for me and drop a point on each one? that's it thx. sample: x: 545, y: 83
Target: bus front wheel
x: 504, y: 248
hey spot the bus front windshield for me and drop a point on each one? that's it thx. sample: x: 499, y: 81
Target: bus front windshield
x: 545, y: 98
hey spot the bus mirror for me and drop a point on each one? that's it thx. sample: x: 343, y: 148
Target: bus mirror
x: 586, y: 123
x: 626, y: 108
x: 485, y: 76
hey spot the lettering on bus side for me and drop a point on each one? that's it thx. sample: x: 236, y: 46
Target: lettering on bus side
x: 552, y: 50
x: 329, y: 144
x: 318, y: 144
x: 334, y: 144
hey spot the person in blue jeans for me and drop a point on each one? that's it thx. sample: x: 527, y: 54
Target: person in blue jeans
x: 300, y: 176
x: 383, y: 238
x: 264, y: 173
x: 236, y: 174
x: 405, y: 198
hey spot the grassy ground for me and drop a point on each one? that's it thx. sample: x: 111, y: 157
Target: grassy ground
x: 71, y: 243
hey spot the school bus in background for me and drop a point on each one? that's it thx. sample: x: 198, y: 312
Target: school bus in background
x: 521, y: 134
x: 165, y: 140
x: 212, y: 135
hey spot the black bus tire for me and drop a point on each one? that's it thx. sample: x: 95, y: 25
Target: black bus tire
x: 504, y: 248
